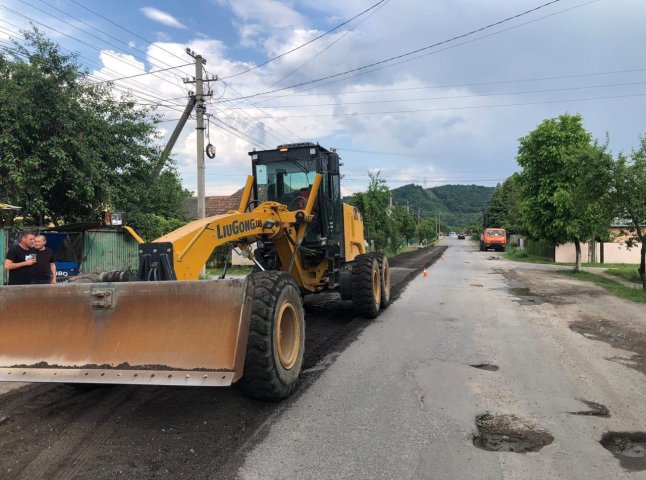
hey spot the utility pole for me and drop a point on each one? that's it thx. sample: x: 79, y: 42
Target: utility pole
x: 200, y: 110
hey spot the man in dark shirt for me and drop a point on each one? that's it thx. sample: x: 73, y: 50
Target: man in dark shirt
x: 44, y: 272
x: 20, y: 259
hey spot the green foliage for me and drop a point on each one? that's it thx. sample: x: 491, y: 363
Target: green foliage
x: 465, y: 199
x: 504, y: 207
x: 518, y: 255
x: 629, y: 199
x: 616, y: 288
x: 459, y: 205
x: 70, y: 149
x: 150, y: 226
x: 564, y: 182
x: 627, y: 271
x: 220, y: 255
x: 405, y: 224
x: 379, y: 224
x: 514, y: 253
x: 539, y: 248
x: 427, y: 231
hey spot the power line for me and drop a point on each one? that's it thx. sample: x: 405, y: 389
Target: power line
x: 471, y: 107
x: 412, y: 52
x: 265, y: 113
x: 69, y: 36
x: 451, y: 97
x: 327, y: 47
x: 454, y: 85
x: 244, y: 125
x: 143, y: 74
x: 240, y: 134
x: 126, y: 30
x: 308, y: 42
x: 436, y: 51
x: 450, y: 46
x: 84, y: 31
x: 98, y: 30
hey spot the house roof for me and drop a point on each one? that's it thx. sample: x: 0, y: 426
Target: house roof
x: 215, y: 205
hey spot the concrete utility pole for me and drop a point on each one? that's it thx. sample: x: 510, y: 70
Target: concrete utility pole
x: 200, y: 110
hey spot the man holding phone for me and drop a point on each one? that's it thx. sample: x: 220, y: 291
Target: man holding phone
x: 20, y: 260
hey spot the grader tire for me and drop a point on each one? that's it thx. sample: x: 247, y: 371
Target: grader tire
x: 366, y: 286
x: 384, y: 271
x: 276, y: 337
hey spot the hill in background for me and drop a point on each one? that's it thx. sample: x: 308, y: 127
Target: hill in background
x: 460, y: 206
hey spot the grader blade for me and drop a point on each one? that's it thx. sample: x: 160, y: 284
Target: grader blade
x: 159, y: 333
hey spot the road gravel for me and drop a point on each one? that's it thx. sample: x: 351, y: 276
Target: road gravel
x: 403, y: 400
x: 55, y: 431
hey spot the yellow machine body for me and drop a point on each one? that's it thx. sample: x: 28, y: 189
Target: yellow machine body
x: 182, y: 332
x: 162, y: 333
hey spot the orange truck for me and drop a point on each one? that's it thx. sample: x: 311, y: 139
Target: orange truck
x: 495, y: 238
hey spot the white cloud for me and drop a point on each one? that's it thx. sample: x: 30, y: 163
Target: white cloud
x: 162, y: 37
x: 164, y: 18
x: 454, y: 142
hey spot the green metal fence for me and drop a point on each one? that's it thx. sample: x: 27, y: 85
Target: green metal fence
x: 107, y: 250
x: 542, y: 248
x: 3, y: 244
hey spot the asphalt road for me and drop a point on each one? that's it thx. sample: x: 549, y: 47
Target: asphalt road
x: 54, y: 431
x: 560, y: 365
x: 483, y: 369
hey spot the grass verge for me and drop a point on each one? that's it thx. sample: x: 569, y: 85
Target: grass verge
x: 518, y: 255
x: 616, y: 288
x: 626, y: 271
x: 237, y: 271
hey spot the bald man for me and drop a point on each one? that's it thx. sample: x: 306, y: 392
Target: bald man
x: 44, y: 271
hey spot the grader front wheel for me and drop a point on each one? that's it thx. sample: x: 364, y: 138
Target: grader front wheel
x: 384, y: 270
x: 276, y: 337
x: 366, y: 286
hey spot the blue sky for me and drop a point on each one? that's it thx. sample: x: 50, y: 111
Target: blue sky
x: 452, y: 114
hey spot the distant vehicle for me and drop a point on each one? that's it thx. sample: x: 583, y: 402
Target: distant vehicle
x: 495, y: 238
x: 452, y: 234
x: 461, y: 236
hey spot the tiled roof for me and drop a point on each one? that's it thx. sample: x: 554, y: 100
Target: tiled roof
x: 215, y: 205
x: 222, y: 204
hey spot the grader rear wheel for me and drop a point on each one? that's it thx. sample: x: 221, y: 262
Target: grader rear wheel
x: 276, y: 337
x: 384, y: 271
x: 366, y: 286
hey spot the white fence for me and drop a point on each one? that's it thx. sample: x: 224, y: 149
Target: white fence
x: 612, y: 253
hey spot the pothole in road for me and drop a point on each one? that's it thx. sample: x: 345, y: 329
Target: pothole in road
x: 526, y: 296
x: 477, y: 285
x: 617, y: 335
x: 508, y: 433
x: 628, y: 447
x: 523, y: 292
x: 486, y: 366
x: 596, y: 409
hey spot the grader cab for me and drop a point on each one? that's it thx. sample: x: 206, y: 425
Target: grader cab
x: 170, y: 328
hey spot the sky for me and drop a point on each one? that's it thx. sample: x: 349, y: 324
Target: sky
x: 449, y: 114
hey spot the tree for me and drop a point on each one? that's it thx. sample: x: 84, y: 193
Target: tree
x: 374, y: 205
x: 629, y: 199
x: 405, y: 225
x: 427, y: 231
x: 504, y: 207
x: 69, y: 148
x: 564, y: 183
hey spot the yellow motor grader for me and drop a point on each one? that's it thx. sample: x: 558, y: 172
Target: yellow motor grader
x: 170, y: 328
